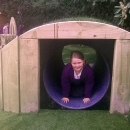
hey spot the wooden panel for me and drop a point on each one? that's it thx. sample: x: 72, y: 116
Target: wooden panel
x: 120, y: 94
x: 29, y: 75
x: 1, y: 86
x: 41, y: 32
x: 10, y: 76
x: 90, y: 30
x: 77, y: 30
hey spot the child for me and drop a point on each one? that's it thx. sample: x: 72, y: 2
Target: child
x: 77, y: 78
x: 20, y: 29
x: 6, y: 29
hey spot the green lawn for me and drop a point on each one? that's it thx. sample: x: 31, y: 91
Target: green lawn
x: 89, y: 53
x: 64, y: 120
x: 80, y: 19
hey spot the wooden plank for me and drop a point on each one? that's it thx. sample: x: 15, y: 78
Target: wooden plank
x: 77, y: 30
x: 12, y: 27
x: 29, y: 75
x: 41, y: 32
x: 90, y: 30
x: 10, y: 76
x: 120, y: 94
x: 1, y: 86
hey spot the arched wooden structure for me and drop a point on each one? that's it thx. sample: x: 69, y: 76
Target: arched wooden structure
x: 20, y: 63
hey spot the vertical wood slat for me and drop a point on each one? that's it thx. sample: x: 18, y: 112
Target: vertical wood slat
x: 29, y: 75
x: 1, y: 86
x: 10, y: 76
x: 120, y: 94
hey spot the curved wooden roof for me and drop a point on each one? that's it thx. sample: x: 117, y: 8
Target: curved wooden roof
x: 77, y: 30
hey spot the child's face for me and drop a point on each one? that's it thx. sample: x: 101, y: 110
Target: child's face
x: 77, y: 64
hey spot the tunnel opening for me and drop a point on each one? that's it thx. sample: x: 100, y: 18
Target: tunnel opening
x: 51, y: 65
x: 88, y: 52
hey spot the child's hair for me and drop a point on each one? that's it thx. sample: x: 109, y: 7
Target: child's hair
x: 77, y: 54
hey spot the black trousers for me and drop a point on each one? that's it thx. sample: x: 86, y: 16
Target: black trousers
x: 77, y: 88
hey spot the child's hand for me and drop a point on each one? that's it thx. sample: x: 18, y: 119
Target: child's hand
x: 86, y: 100
x: 65, y: 100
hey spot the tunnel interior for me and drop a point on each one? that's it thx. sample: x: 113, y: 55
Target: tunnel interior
x: 51, y: 65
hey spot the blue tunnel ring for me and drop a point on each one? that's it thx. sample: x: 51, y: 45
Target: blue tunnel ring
x: 52, y: 75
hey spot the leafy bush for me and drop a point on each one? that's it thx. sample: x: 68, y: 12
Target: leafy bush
x: 122, y: 13
x: 36, y: 12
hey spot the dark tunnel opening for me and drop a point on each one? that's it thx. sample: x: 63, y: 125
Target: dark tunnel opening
x: 51, y: 65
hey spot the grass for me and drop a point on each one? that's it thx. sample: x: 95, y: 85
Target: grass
x: 63, y: 120
x: 89, y: 53
x: 80, y: 19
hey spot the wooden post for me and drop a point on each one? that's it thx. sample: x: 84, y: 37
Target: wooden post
x: 120, y: 94
x: 10, y: 70
x: 29, y: 75
x: 1, y: 86
x: 12, y: 27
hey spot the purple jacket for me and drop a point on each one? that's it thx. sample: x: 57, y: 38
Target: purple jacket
x: 87, y: 77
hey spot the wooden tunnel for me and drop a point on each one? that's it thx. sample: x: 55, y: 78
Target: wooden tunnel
x: 20, y: 62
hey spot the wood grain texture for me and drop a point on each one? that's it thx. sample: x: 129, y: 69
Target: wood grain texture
x: 10, y: 76
x: 12, y: 27
x: 120, y: 94
x: 41, y: 32
x: 29, y: 75
x: 77, y: 30
x: 1, y: 84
